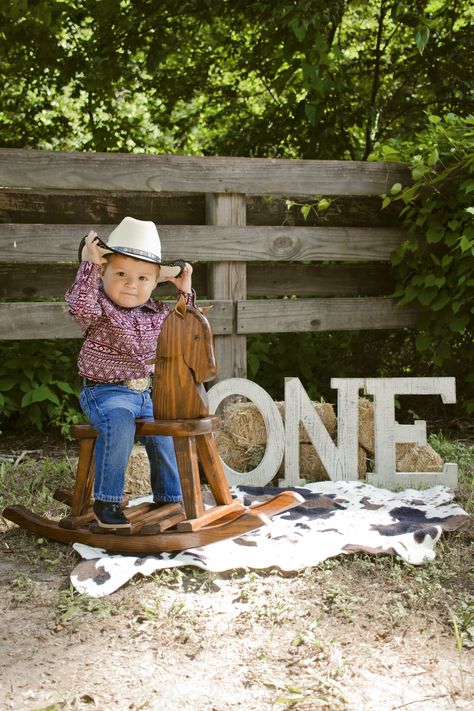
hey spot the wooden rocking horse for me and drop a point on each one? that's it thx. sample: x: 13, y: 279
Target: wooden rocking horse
x: 184, y: 360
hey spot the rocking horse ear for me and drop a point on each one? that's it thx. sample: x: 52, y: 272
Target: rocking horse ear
x: 180, y: 307
x: 205, y: 309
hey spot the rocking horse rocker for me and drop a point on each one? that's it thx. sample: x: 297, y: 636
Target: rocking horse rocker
x: 184, y: 361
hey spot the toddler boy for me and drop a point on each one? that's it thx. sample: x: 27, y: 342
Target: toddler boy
x: 111, y: 301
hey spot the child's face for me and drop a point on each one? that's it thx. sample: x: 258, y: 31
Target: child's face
x: 129, y: 282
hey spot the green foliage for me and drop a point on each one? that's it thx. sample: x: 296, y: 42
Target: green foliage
x: 72, y: 608
x: 453, y: 451
x: 318, y: 207
x: 463, y: 622
x: 433, y: 266
x: 39, y: 385
x: 304, y: 79
x: 31, y: 483
x: 315, y: 358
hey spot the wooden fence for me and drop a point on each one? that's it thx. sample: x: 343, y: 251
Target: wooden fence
x: 262, y: 266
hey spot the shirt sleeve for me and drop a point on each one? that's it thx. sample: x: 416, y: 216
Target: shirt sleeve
x: 83, y: 296
x: 189, y: 297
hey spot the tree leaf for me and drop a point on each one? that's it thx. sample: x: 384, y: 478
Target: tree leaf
x: 426, y: 296
x: 422, y: 35
x: 434, y: 234
x: 323, y: 204
x: 310, y: 111
x: 305, y: 210
x: 433, y: 157
x: 465, y: 243
x: 42, y: 393
x: 423, y: 341
x: 459, y: 323
x: 7, y: 384
x: 441, y: 301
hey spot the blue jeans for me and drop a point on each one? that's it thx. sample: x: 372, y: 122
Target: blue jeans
x: 112, y: 410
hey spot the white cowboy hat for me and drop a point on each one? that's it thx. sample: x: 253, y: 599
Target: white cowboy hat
x: 138, y: 239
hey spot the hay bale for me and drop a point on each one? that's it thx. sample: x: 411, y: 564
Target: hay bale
x: 137, y: 475
x: 311, y: 467
x: 326, y: 413
x: 244, y: 422
x: 410, y: 457
x: 362, y: 462
x: 413, y: 458
x: 242, y: 440
x: 366, y: 425
x: 236, y: 456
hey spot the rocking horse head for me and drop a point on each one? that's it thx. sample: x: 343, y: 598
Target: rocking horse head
x: 184, y: 360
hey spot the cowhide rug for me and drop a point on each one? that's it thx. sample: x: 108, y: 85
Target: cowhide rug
x: 336, y: 518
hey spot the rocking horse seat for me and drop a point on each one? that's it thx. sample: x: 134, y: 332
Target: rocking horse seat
x: 174, y: 428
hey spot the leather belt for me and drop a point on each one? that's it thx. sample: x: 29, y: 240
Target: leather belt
x: 137, y: 384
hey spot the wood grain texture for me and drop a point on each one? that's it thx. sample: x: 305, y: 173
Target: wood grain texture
x: 212, y: 464
x: 212, y: 243
x: 184, y: 360
x: 156, y: 173
x: 306, y: 315
x: 188, y: 467
x: 213, y: 514
x: 368, y: 279
x: 38, y: 320
x: 168, y: 541
x: 100, y: 206
x: 25, y: 281
x: 228, y: 280
x: 32, y: 205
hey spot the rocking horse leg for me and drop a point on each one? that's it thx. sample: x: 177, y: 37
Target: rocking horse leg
x: 186, y: 457
x: 81, y: 513
x: 84, y: 478
x: 212, y: 466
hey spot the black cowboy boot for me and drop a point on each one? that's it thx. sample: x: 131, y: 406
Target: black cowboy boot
x: 110, y: 515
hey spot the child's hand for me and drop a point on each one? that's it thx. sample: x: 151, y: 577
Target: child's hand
x: 91, y: 252
x: 183, y: 282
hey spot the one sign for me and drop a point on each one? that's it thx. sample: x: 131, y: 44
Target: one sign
x: 339, y: 459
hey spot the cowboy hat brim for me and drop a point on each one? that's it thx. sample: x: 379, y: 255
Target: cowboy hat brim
x: 170, y: 269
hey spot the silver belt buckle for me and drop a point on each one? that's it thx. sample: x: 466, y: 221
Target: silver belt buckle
x: 138, y: 384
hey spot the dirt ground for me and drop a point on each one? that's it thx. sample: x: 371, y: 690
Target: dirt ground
x: 358, y: 632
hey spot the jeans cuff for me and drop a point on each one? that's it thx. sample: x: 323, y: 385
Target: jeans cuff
x: 108, y: 499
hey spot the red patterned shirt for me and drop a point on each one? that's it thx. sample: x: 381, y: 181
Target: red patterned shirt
x: 118, y: 342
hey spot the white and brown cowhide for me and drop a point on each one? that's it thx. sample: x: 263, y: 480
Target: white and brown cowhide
x: 336, y: 518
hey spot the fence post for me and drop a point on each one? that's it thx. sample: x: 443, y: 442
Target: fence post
x: 228, y: 280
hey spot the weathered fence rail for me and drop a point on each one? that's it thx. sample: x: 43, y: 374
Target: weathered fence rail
x: 229, y: 217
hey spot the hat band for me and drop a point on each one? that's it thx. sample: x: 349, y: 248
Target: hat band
x: 137, y: 252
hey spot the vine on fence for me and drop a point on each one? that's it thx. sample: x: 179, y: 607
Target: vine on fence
x: 434, y: 265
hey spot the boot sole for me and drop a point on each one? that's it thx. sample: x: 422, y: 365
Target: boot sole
x: 109, y: 526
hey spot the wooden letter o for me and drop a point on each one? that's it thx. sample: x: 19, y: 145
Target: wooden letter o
x: 268, y: 467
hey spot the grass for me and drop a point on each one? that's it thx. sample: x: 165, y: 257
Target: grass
x: 463, y: 456
x: 71, y: 608
x: 32, y: 483
x: 438, y: 588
